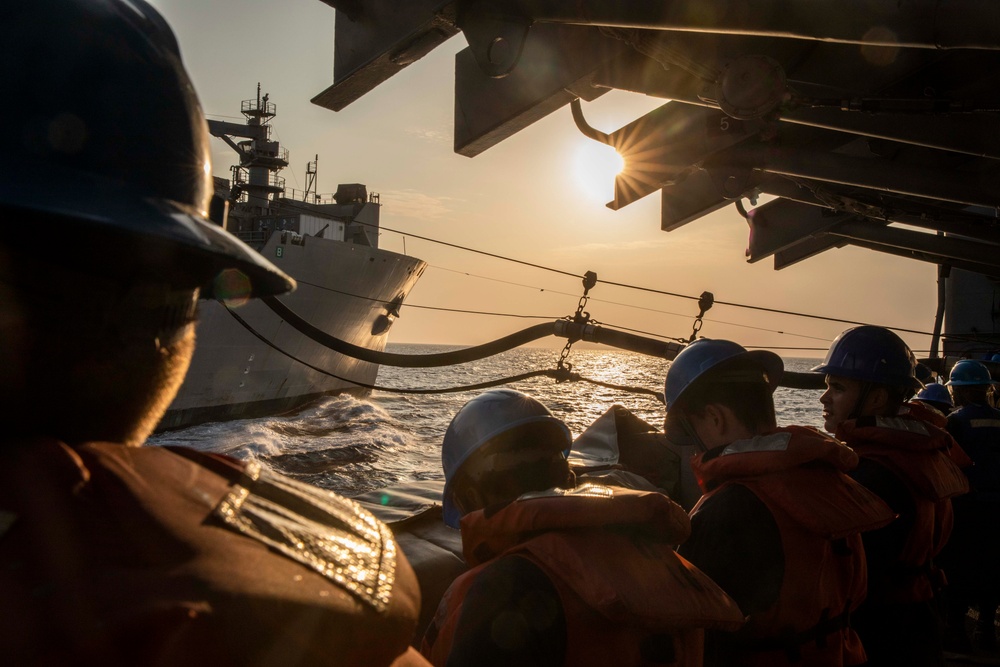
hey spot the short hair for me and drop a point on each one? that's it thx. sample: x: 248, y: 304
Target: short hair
x: 736, y: 386
x: 546, y: 472
x: 970, y: 393
x: 896, y: 396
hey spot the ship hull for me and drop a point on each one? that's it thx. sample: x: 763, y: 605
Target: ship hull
x: 346, y: 290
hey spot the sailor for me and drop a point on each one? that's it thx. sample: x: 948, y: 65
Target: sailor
x: 905, y: 460
x: 562, y: 574
x: 971, y: 556
x: 778, y: 526
x: 937, y: 396
x: 112, y: 553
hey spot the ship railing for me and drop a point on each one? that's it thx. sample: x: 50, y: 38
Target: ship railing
x: 255, y: 107
x: 310, y: 198
x: 255, y: 239
x: 241, y: 178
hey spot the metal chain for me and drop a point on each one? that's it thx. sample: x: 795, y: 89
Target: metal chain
x: 706, y: 301
x: 581, y: 317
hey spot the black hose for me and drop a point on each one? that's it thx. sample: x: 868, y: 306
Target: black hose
x: 462, y: 356
x: 567, y: 329
x: 800, y: 380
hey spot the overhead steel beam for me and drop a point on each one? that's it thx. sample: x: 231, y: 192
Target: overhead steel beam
x: 556, y: 65
x: 376, y: 39
x: 694, y: 197
x: 969, y: 133
x: 781, y: 224
x: 663, y: 146
x: 966, y: 188
x: 906, y: 212
x: 974, y: 267
x: 923, y: 24
x: 943, y: 249
x: 805, y: 249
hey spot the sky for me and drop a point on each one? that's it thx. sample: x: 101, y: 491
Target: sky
x: 537, y: 197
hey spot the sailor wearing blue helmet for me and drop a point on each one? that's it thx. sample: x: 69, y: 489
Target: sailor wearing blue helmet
x: 760, y: 482
x: 937, y: 396
x: 870, y: 375
x: 971, y: 560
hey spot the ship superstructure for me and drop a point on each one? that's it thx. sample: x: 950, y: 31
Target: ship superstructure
x: 249, y: 362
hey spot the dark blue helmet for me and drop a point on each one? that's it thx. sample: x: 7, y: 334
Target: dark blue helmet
x: 936, y: 393
x: 969, y: 372
x: 871, y: 354
x: 704, y: 354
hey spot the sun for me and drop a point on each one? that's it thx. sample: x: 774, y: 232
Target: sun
x: 594, y: 168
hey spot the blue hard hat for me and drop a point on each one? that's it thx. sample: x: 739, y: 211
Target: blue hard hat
x: 704, y: 354
x: 968, y: 372
x: 484, y: 418
x: 937, y: 393
x: 871, y: 354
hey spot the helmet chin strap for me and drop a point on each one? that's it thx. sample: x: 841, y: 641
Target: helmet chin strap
x: 690, y: 431
x: 866, y: 388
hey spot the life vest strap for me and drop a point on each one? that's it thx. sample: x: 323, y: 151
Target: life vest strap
x: 791, y: 642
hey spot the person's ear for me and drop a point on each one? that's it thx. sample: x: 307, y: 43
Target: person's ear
x: 715, y: 418
x: 877, y: 401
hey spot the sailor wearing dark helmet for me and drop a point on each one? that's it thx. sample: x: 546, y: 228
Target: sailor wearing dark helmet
x: 905, y: 460
x: 971, y: 556
x: 562, y: 575
x: 778, y: 526
x: 112, y: 553
x: 937, y: 396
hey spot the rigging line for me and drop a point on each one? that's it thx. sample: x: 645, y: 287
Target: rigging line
x: 546, y: 317
x: 774, y: 331
x: 658, y: 291
x: 454, y: 245
x: 395, y: 390
x: 636, y: 287
x: 618, y: 303
x: 337, y: 291
x: 762, y: 308
x: 658, y: 395
x: 498, y: 280
x: 481, y: 312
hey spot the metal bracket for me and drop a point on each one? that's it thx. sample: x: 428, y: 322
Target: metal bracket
x: 496, y: 40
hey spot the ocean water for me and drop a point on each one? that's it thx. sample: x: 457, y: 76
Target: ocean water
x: 351, y: 445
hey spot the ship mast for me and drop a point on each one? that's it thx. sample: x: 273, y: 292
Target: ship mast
x: 256, y: 183
x: 311, y: 169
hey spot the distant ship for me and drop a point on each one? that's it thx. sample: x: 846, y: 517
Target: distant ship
x: 248, y: 361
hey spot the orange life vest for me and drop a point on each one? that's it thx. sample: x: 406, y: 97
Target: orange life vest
x: 798, y: 473
x: 617, y: 586
x: 926, y: 413
x: 114, y: 555
x: 918, y: 453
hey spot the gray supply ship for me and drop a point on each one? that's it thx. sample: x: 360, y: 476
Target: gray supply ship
x: 249, y: 362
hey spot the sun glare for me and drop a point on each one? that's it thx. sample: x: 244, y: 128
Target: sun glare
x: 594, y: 168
